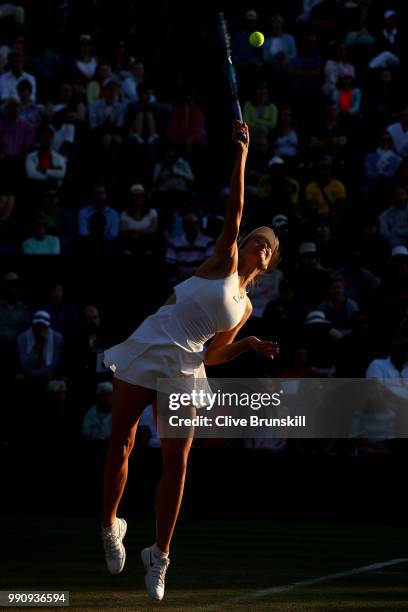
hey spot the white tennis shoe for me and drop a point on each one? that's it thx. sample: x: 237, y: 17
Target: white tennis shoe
x: 155, y: 573
x: 115, y: 553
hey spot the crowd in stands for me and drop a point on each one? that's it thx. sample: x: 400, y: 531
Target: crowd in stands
x: 112, y: 148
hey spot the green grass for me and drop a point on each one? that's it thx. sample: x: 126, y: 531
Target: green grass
x: 212, y: 563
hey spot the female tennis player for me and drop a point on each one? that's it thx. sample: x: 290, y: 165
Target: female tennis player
x: 169, y: 344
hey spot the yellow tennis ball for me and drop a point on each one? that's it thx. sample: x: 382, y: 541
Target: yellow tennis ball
x: 257, y: 39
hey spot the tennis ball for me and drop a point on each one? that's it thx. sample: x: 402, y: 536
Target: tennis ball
x: 257, y: 39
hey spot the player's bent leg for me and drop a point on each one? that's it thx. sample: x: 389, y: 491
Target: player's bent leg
x: 168, y: 501
x: 128, y: 404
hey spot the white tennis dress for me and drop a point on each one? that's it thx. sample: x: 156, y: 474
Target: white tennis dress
x: 170, y: 343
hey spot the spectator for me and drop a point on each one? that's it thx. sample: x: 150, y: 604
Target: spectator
x: 64, y: 133
x: 187, y: 252
x: 336, y: 67
x: 138, y: 222
x: 319, y: 339
x: 355, y: 350
x: 346, y: 96
x: 279, y: 47
x: 394, y: 286
x: 40, y: 348
x: 305, y: 71
x: 359, y: 283
x: 63, y: 317
x: 59, y: 220
x: 41, y: 243
x: 130, y: 84
x: 257, y: 164
x: 338, y: 308
x: 332, y: 136
x: 186, y: 128
x: 325, y: 193
x: 69, y: 100
x: 144, y: 128
x: 399, y: 134
x: 172, y: 173
x: 328, y: 19
x: 394, y: 366
x: 279, y: 189
x: 96, y: 88
x: 390, y: 37
x: 286, y: 140
x: 10, y: 80
x: 383, y: 163
x: 107, y: 116
x: 99, y: 205
x: 29, y: 111
x: 14, y: 315
x: 56, y: 422
x: 260, y: 112
x: 310, y: 279
x: 85, y: 64
x: 246, y: 56
x: 45, y: 165
x: 374, y: 248
x: 393, y: 222
x: 146, y: 430
x: 16, y: 140
x: 97, y: 423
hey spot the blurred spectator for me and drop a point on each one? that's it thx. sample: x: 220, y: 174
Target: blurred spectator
x: 55, y: 424
x: 305, y: 71
x: 64, y: 318
x: 146, y: 430
x: 59, y: 220
x: 107, y: 116
x: 395, y: 280
x: 310, y: 279
x: 9, y: 10
x: 187, y: 252
x: 45, y: 165
x: 41, y: 243
x: 138, y: 222
x: 328, y: 19
x: 244, y: 54
x: 40, y: 348
x: 260, y: 112
x: 172, y: 173
x: 144, y: 129
x: 399, y: 134
x: 383, y: 163
x: 279, y: 47
x: 337, y: 66
x: 374, y: 248
x: 281, y: 190
x: 257, y: 164
x: 64, y: 132
x: 85, y: 64
x: 29, y: 111
x: 130, y: 84
x: 346, y: 96
x: 97, y: 423
x: 359, y: 283
x: 338, y: 308
x: 332, y: 135
x: 325, y: 193
x: 361, y: 24
x: 390, y: 36
x: 14, y: 315
x: 10, y: 80
x: 319, y: 339
x: 265, y: 291
x: 69, y: 100
x: 286, y: 140
x: 96, y: 88
x: 16, y: 140
x: 111, y: 230
x: 393, y: 222
x: 186, y: 128
x: 355, y: 350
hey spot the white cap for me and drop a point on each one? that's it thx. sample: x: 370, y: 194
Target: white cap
x: 276, y: 161
x: 279, y: 220
x: 10, y: 277
x: 137, y: 188
x: 389, y: 13
x: 316, y: 316
x: 307, y: 247
x: 399, y: 251
x: 42, y: 317
x: 251, y: 14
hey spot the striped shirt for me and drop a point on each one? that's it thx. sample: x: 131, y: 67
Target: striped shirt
x: 189, y: 256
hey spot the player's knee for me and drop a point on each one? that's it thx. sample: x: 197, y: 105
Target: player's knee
x: 122, y: 443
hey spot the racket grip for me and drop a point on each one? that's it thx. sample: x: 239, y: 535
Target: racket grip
x: 236, y: 110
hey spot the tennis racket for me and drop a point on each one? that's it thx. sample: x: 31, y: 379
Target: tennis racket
x: 232, y: 77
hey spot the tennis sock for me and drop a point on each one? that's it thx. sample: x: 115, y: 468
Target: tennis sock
x: 159, y: 554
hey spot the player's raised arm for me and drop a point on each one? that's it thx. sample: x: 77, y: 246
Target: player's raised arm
x: 226, y: 242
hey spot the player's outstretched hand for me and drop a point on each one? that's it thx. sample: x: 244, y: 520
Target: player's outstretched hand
x: 267, y: 348
x: 240, y: 135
